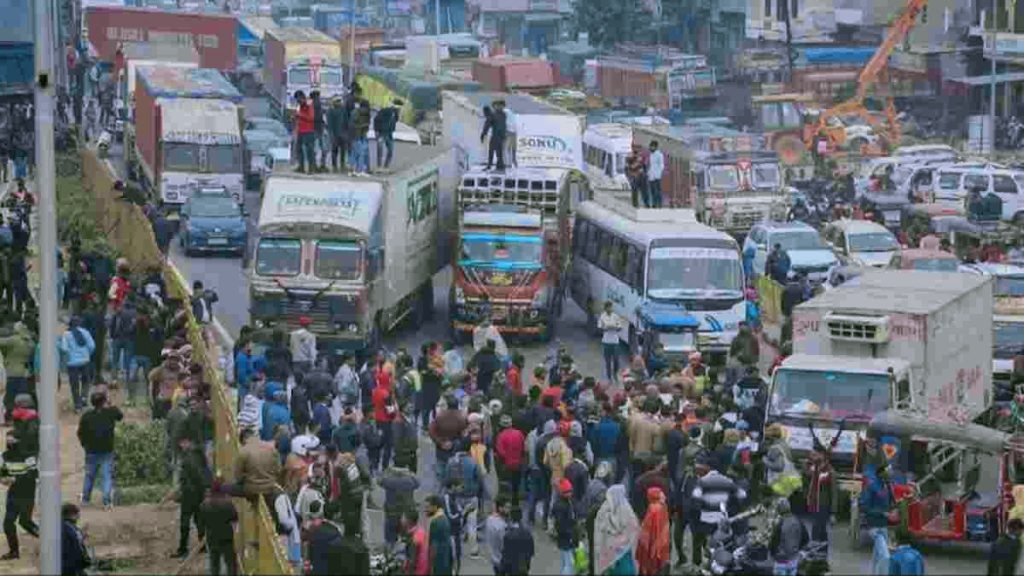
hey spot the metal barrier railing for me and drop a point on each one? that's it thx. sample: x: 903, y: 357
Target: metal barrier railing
x: 128, y: 230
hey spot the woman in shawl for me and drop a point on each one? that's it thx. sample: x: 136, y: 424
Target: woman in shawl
x: 654, y: 551
x: 616, y: 531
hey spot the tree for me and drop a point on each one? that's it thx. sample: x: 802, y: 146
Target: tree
x: 607, y: 22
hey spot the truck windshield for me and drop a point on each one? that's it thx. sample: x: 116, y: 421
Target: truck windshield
x: 723, y: 178
x: 500, y: 250
x: 680, y: 271
x: 179, y: 156
x: 765, y: 176
x: 1010, y: 286
x: 837, y: 394
x: 330, y: 77
x: 873, y: 242
x: 1008, y: 339
x: 337, y: 260
x: 224, y: 159
x: 278, y: 257
x: 299, y: 75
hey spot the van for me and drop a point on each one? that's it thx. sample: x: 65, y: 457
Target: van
x: 861, y: 242
x: 953, y: 184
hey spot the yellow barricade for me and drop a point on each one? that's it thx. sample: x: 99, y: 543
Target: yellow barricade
x: 130, y: 234
x: 770, y: 295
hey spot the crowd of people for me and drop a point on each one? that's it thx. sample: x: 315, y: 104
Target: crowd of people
x: 342, y: 128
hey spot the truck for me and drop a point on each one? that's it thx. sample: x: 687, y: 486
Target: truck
x: 214, y: 36
x: 512, y: 250
x: 540, y: 134
x: 301, y: 59
x: 910, y: 341
x: 188, y: 135
x: 508, y: 73
x: 125, y: 123
x: 248, y: 75
x: 355, y: 255
x: 729, y: 181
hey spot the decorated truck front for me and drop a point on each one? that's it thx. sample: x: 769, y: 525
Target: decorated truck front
x: 737, y: 189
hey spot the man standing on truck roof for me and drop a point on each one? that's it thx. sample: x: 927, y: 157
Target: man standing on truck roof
x: 304, y: 130
x: 337, y: 129
x: 656, y: 167
x: 359, y: 128
x: 319, y: 134
x: 497, y: 124
x: 384, y: 124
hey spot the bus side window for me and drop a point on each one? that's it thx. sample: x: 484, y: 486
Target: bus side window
x: 602, y: 242
x: 579, y: 236
x: 635, y: 269
x: 618, y: 262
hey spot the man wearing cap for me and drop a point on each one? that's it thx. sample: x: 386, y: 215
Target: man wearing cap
x: 564, y: 515
x: 163, y: 380
x: 302, y: 343
x: 305, y: 119
x: 509, y: 448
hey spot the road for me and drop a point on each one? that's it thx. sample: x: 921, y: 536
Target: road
x: 226, y: 276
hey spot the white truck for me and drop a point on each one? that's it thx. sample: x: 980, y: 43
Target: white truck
x: 540, y: 134
x: 300, y: 59
x: 914, y: 341
x: 355, y: 255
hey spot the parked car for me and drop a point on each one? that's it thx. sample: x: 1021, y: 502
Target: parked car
x: 861, y: 242
x: 211, y: 221
x: 264, y: 149
x: 808, y: 253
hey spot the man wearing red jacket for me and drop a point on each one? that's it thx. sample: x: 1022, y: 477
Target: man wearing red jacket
x: 509, y: 447
x: 305, y: 121
x: 384, y: 410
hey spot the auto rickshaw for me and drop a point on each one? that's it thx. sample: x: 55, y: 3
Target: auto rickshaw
x: 936, y: 471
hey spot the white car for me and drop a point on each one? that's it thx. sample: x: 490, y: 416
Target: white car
x: 808, y: 254
x: 862, y: 242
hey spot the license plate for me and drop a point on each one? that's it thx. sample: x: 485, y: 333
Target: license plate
x: 217, y: 242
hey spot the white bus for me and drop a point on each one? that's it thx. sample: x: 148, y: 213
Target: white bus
x: 605, y: 148
x: 660, y: 264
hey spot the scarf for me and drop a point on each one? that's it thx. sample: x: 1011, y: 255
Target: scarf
x: 654, y: 549
x: 616, y: 529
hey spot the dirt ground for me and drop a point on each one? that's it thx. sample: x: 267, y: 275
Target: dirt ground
x: 136, y: 539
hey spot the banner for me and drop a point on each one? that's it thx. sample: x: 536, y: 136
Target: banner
x: 549, y: 140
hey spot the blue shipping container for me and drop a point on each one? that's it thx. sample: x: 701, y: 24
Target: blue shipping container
x: 852, y: 56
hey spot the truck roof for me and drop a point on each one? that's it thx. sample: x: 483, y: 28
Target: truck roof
x: 300, y: 34
x: 849, y: 363
x: 518, y: 103
x: 199, y: 121
x: 178, y: 82
x: 907, y: 291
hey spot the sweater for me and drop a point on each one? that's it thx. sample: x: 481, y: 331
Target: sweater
x: 96, y: 429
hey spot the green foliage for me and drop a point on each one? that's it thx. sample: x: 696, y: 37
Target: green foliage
x: 146, y: 494
x: 139, y: 453
x: 76, y: 208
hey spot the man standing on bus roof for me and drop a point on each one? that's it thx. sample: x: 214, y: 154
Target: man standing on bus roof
x: 655, y: 169
x: 610, y: 324
x: 497, y: 124
x: 636, y: 171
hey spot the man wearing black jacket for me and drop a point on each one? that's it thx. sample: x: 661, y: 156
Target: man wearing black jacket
x: 337, y: 129
x: 74, y: 557
x: 517, y: 548
x: 96, y: 435
x: 497, y: 124
x: 193, y: 481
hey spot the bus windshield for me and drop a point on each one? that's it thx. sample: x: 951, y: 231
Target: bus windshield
x: 836, y: 394
x: 278, y: 257
x: 678, y: 272
x: 500, y: 250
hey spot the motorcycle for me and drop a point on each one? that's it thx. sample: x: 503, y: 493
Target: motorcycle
x: 387, y: 561
x: 732, y: 551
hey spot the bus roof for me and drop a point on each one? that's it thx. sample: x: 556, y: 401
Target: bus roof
x: 650, y: 225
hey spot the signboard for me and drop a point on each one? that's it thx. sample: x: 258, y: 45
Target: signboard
x: 549, y: 140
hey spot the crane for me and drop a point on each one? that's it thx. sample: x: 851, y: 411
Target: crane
x: 868, y: 77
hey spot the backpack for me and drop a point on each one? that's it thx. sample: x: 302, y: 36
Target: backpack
x: 123, y: 325
x: 350, y: 478
x: 462, y: 467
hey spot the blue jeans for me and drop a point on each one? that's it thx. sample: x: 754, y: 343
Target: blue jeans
x: 306, y: 151
x: 122, y: 352
x: 361, y: 154
x: 140, y: 364
x: 880, y: 551
x: 611, y: 361
x: 102, y: 462
x: 78, y: 379
x: 385, y: 149
x: 566, y: 560
x: 654, y: 189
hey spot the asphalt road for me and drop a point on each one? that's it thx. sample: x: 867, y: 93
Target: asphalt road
x: 226, y: 276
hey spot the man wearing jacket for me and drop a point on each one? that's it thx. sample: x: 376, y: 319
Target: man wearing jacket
x: 319, y: 133
x: 74, y: 557
x: 193, y: 482
x: 359, y: 129
x: 96, y: 435
x: 337, y: 129
x: 497, y: 124
x: 20, y: 462
x: 305, y: 125
x: 384, y: 125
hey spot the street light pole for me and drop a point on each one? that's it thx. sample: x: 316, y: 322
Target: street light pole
x: 49, y: 427
x: 992, y: 88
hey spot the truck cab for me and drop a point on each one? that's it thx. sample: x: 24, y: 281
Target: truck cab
x: 735, y: 190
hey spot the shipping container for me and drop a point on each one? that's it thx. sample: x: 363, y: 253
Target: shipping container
x: 509, y: 73
x: 214, y: 36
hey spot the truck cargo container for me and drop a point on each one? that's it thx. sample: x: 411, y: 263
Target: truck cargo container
x: 187, y: 133
x: 653, y: 80
x: 369, y: 247
x: 447, y: 52
x: 215, y: 36
x: 507, y: 73
x: 540, y: 134
x: 913, y: 341
x: 125, y: 125
x: 512, y: 250
x: 301, y: 59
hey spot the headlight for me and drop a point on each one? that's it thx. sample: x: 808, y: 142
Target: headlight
x: 460, y: 295
x: 259, y: 324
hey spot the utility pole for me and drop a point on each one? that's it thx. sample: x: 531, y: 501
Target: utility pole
x: 437, y: 17
x: 352, y: 42
x: 49, y: 431
x: 992, y: 90
x: 787, y: 18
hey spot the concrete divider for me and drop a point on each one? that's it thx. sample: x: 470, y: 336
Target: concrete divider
x: 129, y: 232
